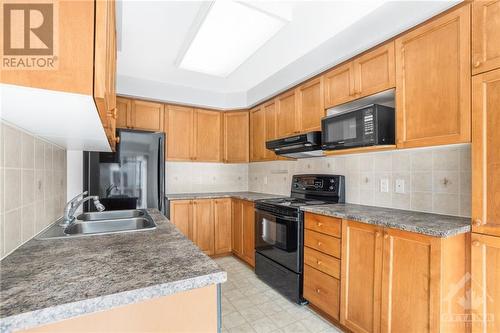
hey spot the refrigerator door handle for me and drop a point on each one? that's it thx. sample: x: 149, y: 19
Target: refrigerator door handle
x: 160, y: 175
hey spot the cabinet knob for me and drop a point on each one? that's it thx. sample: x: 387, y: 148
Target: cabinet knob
x: 476, y: 243
x: 477, y: 223
x: 378, y: 234
x: 319, y: 224
x: 318, y: 290
x: 319, y: 243
x: 477, y: 64
x: 318, y: 262
x: 386, y: 235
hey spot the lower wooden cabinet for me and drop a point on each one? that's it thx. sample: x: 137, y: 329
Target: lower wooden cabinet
x: 485, y: 283
x: 398, y: 281
x: 222, y: 218
x: 203, y: 225
x: 243, y: 232
x: 181, y: 215
x: 322, y: 290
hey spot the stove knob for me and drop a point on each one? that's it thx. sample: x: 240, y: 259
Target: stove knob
x: 331, y: 188
x: 332, y: 181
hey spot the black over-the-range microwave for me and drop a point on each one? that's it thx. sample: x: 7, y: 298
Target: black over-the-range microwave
x: 369, y: 125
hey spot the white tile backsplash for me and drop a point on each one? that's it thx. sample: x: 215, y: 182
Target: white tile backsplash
x: 436, y: 179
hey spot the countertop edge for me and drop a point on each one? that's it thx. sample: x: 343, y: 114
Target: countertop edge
x: 404, y: 227
x: 53, y: 314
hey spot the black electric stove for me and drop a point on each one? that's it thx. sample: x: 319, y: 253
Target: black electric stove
x: 279, y: 231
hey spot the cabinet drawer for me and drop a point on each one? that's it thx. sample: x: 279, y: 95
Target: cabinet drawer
x: 324, y: 243
x: 322, y: 262
x: 322, y: 290
x: 328, y: 225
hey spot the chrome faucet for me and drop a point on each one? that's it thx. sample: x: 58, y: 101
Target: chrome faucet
x: 73, y: 204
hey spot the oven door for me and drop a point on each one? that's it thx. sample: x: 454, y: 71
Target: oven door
x: 277, y: 238
x: 347, y: 130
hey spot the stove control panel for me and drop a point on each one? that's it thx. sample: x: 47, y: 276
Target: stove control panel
x: 330, y: 185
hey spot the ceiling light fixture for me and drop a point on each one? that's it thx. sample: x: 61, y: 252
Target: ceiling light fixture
x: 231, y: 32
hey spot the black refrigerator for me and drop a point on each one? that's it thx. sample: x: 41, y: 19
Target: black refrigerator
x: 132, y: 177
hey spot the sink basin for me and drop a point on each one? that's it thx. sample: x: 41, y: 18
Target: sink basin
x: 101, y: 223
x: 109, y: 226
x: 110, y: 214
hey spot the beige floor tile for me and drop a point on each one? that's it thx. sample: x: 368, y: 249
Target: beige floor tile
x: 245, y: 328
x: 232, y: 320
x: 282, y: 319
x: 264, y: 325
x: 252, y: 314
x: 296, y: 327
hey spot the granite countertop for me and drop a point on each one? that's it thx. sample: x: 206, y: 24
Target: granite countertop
x: 423, y: 223
x: 50, y: 280
x: 250, y: 196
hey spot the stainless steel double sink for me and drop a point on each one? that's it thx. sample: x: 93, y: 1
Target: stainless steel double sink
x: 101, y: 223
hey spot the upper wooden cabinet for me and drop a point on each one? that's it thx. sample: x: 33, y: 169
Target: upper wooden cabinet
x: 270, y: 124
x: 433, y: 82
x: 286, y: 105
x: 310, y: 105
x: 486, y: 153
x: 375, y: 71
x: 485, y: 286
x: 207, y: 135
x: 368, y: 74
x: 123, y: 112
x: 236, y: 137
x: 223, y: 225
x: 179, y: 123
x: 146, y: 115
x: 339, y: 85
x: 257, y: 134
x: 485, y: 36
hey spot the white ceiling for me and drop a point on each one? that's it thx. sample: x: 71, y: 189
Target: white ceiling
x: 153, y: 35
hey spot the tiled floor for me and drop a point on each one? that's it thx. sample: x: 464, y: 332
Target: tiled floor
x: 249, y: 305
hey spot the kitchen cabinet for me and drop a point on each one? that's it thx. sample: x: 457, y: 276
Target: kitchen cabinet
x: 203, y: 225
x: 270, y: 124
x: 485, y: 36
x: 207, y: 136
x: 181, y: 215
x: 123, y: 112
x: 222, y: 218
x: 433, y: 67
x: 179, y: 123
x: 258, y: 134
x: 485, y: 283
x: 375, y: 71
x: 485, y: 153
x: 339, y: 85
x: 146, y: 115
x: 322, y: 291
x: 310, y: 105
x: 236, y: 137
x: 243, y: 232
x: 399, y: 281
x: 286, y: 105
x: 361, y: 277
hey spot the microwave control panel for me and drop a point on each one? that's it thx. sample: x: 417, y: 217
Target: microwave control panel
x: 368, y: 121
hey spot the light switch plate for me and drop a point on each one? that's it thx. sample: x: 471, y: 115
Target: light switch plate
x: 399, y: 186
x: 265, y: 180
x: 384, y: 185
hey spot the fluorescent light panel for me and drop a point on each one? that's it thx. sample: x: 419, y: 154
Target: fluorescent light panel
x: 230, y: 34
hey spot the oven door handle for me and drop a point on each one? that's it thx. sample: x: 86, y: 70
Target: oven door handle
x: 287, y: 218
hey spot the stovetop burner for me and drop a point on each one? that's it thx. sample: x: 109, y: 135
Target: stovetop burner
x: 294, y: 202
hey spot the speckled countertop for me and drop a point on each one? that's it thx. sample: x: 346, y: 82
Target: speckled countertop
x: 50, y: 280
x: 422, y: 223
x: 251, y: 196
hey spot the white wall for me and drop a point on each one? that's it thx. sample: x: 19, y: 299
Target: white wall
x: 75, y: 173
x: 423, y: 170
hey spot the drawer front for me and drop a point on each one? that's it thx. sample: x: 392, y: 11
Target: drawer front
x: 324, y: 243
x: 322, y: 291
x: 328, y: 225
x: 322, y: 262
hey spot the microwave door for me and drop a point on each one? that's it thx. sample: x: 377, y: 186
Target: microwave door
x: 344, y: 130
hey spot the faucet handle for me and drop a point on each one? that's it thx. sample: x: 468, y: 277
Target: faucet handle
x: 78, y: 196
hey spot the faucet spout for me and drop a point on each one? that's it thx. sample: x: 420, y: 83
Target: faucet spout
x: 73, y: 204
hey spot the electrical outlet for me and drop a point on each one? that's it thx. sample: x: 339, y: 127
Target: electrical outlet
x: 399, y: 186
x: 384, y: 185
x: 265, y: 180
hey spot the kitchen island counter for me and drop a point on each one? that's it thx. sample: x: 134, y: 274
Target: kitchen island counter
x: 46, y: 281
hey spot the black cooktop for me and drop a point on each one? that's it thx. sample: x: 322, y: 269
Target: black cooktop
x: 294, y: 202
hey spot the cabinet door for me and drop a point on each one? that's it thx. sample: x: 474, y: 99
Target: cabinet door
x: 410, y: 282
x: 203, y: 225
x: 485, y: 36
x: 485, y: 275
x: 433, y: 82
x: 179, y: 122
x: 222, y: 217
x: 208, y: 136
x: 287, y: 114
x: 236, y: 137
x: 248, y: 232
x: 486, y: 153
x: 147, y: 115
x: 375, y: 71
x: 237, y: 227
x: 322, y: 290
x: 339, y: 85
x: 123, y: 106
x: 310, y: 105
x: 257, y: 130
x: 181, y: 215
x: 361, y: 276
x: 270, y: 116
